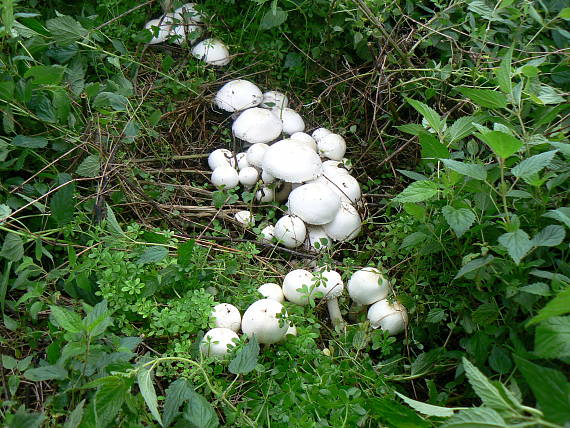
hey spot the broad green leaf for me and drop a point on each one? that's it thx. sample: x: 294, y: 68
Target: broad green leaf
x: 550, y: 236
x: 185, y: 253
x: 483, y: 387
x: 418, y: 191
x: 504, y: 74
x: 549, y: 95
x: 412, y: 174
x: 461, y: 128
x: 564, y: 13
x: 65, y: 30
x: 413, y: 239
x: 45, y: 74
x: 66, y: 319
x: 273, y: 18
x: 109, y: 399
x: 112, y: 223
x: 13, y: 247
x: 200, y: 413
x: 394, y: 414
x: 474, y: 265
x: 8, y: 362
x: 473, y: 170
x: 415, y: 210
x: 146, y: 387
x: 74, y: 418
x: 563, y: 148
x: 460, y: 220
x: 517, y: 243
x: 432, y: 148
x: 62, y: 204
x: 504, y: 145
x: 552, y: 338
x: 425, y: 408
x: 533, y: 164
x: 89, y: 167
x: 110, y: 99
x: 98, y: 319
x: 476, y: 418
x: 429, y: 114
x: 551, y: 389
x: 46, y: 373
x: 561, y: 214
x: 246, y: 358
x: 485, y: 314
x: 29, y: 142
x: 412, y: 128
x: 537, y: 288
x: 559, y: 305
x: 179, y: 392
x: 153, y: 254
x: 500, y: 361
x: 23, y: 419
x: 485, y: 97
x: 5, y: 211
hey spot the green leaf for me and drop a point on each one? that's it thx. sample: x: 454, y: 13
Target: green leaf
x: 429, y: 114
x: 98, y: 319
x: 8, y: 362
x: 504, y: 74
x: 74, y: 418
x: 559, y: 305
x: 109, y: 399
x: 200, y: 413
x: 533, y: 165
x: 153, y: 254
x: 483, y: 387
x: 460, y: 220
x: 517, y: 243
x: 549, y: 95
x: 63, y: 204
x: 412, y: 129
x: 5, y: 211
x: 13, y: 247
x: 474, y: 265
x: 418, y: 191
x: 112, y: 223
x: 561, y: 214
x: 432, y: 148
x: 89, y: 167
x: 552, y: 338
x: 485, y: 97
x: 46, y: 373
x: 550, y: 388
x: 473, y: 170
x: 504, y: 145
x: 66, y: 319
x: 23, y: 419
x: 476, y: 418
x: 185, y: 253
x: 45, y: 74
x: 110, y: 99
x: 246, y: 359
x: 412, y: 174
x: 550, y: 236
x: 146, y: 387
x: 29, y: 142
x: 461, y: 128
x: 425, y: 408
x: 65, y: 30
x: 274, y: 17
x: 394, y: 414
x: 179, y: 392
x: 564, y: 13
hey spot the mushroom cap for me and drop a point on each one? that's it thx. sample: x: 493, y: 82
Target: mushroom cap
x: 215, y: 342
x: 187, y: 13
x: 220, y: 157
x: 238, y: 95
x: 226, y: 316
x: 292, y: 161
x: 367, y: 286
x: 346, y: 225
x: 267, y: 233
x: 290, y: 231
x: 261, y: 319
x: 315, y: 203
x: 270, y: 290
x: 391, y: 317
x: 255, y: 154
x: 344, y: 185
x: 226, y: 176
x: 265, y: 194
x: 304, y: 138
x: 331, y: 167
x: 180, y: 33
x: 317, y: 239
x: 245, y: 217
x: 331, y: 285
x: 163, y: 30
x: 332, y: 146
x: 274, y: 99
x: 257, y: 125
x: 248, y: 176
x: 242, y: 162
x: 294, y: 281
x: 266, y: 177
x: 212, y: 51
x: 292, y: 121
x: 320, y: 133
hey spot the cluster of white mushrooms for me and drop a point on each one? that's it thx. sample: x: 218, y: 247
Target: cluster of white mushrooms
x: 185, y: 25
x: 264, y: 318
x: 309, y: 172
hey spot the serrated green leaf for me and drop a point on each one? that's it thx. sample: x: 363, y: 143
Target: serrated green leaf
x: 425, y: 408
x: 473, y: 170
x: 552, y: 338
x: 564, y: 13
x: 185, y: 253
x: 476, y: 418
x: 429, y: 114
x: 8, y: 362
x: 418, y: 191
x: 110, y: 99
x: 274, y: 17
x: 474, y: 265
x: 534, y: 164
x: 62, y: 204
x: 153, y: 254
x: 65, y: 30
x: 109, y: 399
x: 246, y: 358
x: 148, y: 392
x: 549, y: 95
x: 432, y: 148
x: 66, y: 319
x: 559, y: 305
x: 504, y: 145
x: 178, y: 393
x: 45, y: 74
x: 412, y: 129
x: 13, y: 247
x: 504, y: 74
x: 412, y: 174
x: 484, y: 389
x: 89, y: 167
x: 74, y: 418
x: 29, y: 142
x: 46, y: 373
x: 23, y: 419
x: 561, y: 214
x: 461, y: 128
x: 485, y: 97
x: 550, y: 236
x: 200, y: 413
x: 517, y: 243
x: 460, y: 220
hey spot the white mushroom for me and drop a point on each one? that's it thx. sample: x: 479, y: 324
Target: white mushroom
x: 317, y: 239
x: 220, y: 157
x: 159, y: 29
x: 265, y: 194
x: 292, y: 121
x: 304, y: 138
x: 290, y: 231
x: 226, y: 316
x: 261, y: 319
x: 315, y: 203
x: 217, y: 342
x: 248, y: 176
x: 392, y: 318
x: 188, y: 13
x: 346, y: 225
x: 344, y: 185
x: 212, y: 51
x: 255, y: 154
x: 298, y: 286
x: 241, y: 160
x: 332, y: 146
x: 320, y: 133
x: 180, y: 33
x: 225, y: 176
x: 270, y: 290
x: 267, y: 178
x: 245, y: 217
x: 274, y: 99
x: 331, y: 167
x: 292, y: 161
x: 367, y: 286
x: 331, y: 286
x: 238, y: 95
x: 267, y: 233
x: 257, y: 125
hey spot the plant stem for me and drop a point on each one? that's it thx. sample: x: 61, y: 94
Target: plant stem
x: 334, y: 313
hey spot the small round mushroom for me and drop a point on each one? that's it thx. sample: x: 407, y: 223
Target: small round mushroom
x: 317, y: 239
x: 265, y: 194
x: 367, y: 286
x: 270, y: 290
x: 238, y: 95
x: 267, y: 178
x: 267, y: 233
x: 331, y: 286
x: 344, y: 185
x: 226, y: 316
x: 245, y: 217
x: 292, y: 121
x: 212, y: 51
x: 290, y: 231
x: 182, y: 33
x: 220, y: 157
x: 188, y: 13
x: 315, y: 203
x: 346, y: 225
x: 274, y: 99
x: 304, y: 138
x: 248, y: 176
x: 241, y: 160
x: 257, y: 125
x: 319, y: 133
x: 391, y: 317
x: 160, y: 35
x: 261, y: 319
x: 225, y: 176
x: 217, y: 342
x: 292, y: 161
x: 332, y: 146
x: 293, y: 282
x: 331, y: 167
x: 255, y: 154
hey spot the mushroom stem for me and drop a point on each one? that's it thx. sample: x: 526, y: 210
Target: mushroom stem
x: 334, y: 313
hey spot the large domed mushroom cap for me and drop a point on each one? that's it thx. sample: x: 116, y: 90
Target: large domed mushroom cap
x: 226, y: 316
x: 304, y: 138
x: 217, y: 342
x: 346, y: 225
x: 315, y: 203
x: 255, y: 154
x: 238, y: 95
x: 225, y: 176
x: 212, y: 51
x: 319, y: 133
x: 344, y: 185
x: 220, y: 157
x: 274, y: 99
x: 292, y: 121
x: 270, y: 290
x: 248, y: 176
x: 292, y: 161
x: 332, y: 146
x: 290, y: 231
x: 257, y: 125
x: 294, y: 281
x: 367, y: 286
x: 392, y: 318
x: 329, y: 283
x: 261, y: 319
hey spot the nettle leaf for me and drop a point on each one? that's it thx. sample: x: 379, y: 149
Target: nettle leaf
x: 504, y: 145
x: 65, y: 30
x: 477, y: 417
x: 45, y: 74
x: 461, y: 128
x: 460, y: 220
x: 550, y: 236
x: 418, y: 191
x: 561, y: 214
x: 46, y: 373
x: 178, y: 393
x: 13, y: 247
x: 549, y: 95
x: 29, y: 142
x: 483, y: 387
x: 412, y: 174
x: 552, y: 338
x: 23, y: 419
x: 413, y: 239
x: 273, y: 18
x: 110, y: 99
x: 474, y: 265
x: 109, y: 398
x: 517, y: 243
x: 425, y: 408
x: 246, y: 359
x: 429, y: 114
x: 74, y: 418
x: 89, y: 167
x: 144, y: 380
x: 473, y: 170
x: 412, y: 128
x: 62, y: 202
x: 153, y: 254
x: 533, y: 164
x: 200, y: 413
x: 432, y: 148
x: 504, y: 73
x: 559, y: 305
x: 485, y: 97
x: 66, y: 319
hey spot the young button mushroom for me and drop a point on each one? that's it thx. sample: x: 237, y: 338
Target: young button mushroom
x: 367, y: 286
x: 270, y: 290
x: 293, y: 282
x: 304, y: 138
x: 225, y: 176
x: 267, y: 233
x: 331, y: 287
x: 261, y: 320
x: 274, y: 99
x: 255, y: 154
x: 257, y: 125
x: 245, y: 217
x: 248, y: 176
x: 241, y: 161
x: 217, y: 342
x: 292, y: 161
x: 212, y: 51
x: 317, y: 239
x: 315, y: 203
x: 238, y: 95
x: 392, y: 318
x: 226, y: 316
x: 265, y: 194
x: 188, y: 13
x: 292, y: 121
x: 319, y: 133
x: 344, y: 185
x: 346, y: 225
x: 290, y: 231
x: 159, y: 29
x: 332, y: 146
x: 181, y: 33
x: 331, y: 167
x: 220, y: 157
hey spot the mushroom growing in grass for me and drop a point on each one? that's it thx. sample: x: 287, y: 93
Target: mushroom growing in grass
x: 297, y: 286
x: 332, y: 146
x: 257, y: 125
x: 290, y: 231
x: 238, y: 95
x: 225, y: 176
x: 255, y: 154
x: 267, y: 233
x: 262, y: 320
x: 160, y: 30
x: 265, y: 194
x: 245, y: 217
x: 304, y: 138
x: 270, y: 290
x: 391, y: 317
x: 331, y: 286
x: 274, y: 99
x: 220, y: 157
x: 248, y: 176
x: 226, y: 316
x: 188, y: 13
x: 315, y: 203
x: 212, y: 51
x: 217, y: 342
x: 344, y: 185
x: 292, y: 121
x: 319, y: 133
x: 292, y: 161
x: 317, y: 239
x: 241, y: 160
x: 367, y: 286
x: 346, y: 225
x: 181, y: 33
